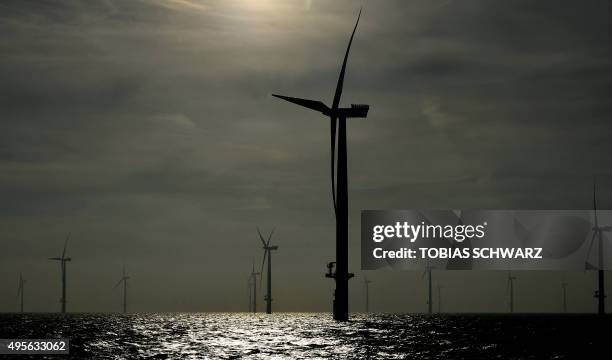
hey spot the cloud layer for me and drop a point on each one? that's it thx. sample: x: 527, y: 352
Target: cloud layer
x: 146, y: 128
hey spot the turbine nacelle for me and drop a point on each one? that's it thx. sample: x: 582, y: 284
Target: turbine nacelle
x: 355, y: 111
x: 60, y: 259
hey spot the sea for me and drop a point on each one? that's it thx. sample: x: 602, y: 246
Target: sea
x: 315, y: 336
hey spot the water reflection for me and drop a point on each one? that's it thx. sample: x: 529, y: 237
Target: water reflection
x: 309, y: 336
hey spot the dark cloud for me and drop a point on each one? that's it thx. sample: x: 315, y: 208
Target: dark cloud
x: 147, y: 129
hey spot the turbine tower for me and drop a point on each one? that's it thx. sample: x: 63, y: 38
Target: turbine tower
x: 20, y: 291
x: 63, y: 260
x: 439, y: 298
x: 339, y: 180
x: 253, y: 284
x: 429, y: 288
x: 600, y: 293
x: 249, y: 282
x: 267, y: 253
x: 511, y: 288
x: 124, y: 280
x: 367, y: 283
x: 564, y: 290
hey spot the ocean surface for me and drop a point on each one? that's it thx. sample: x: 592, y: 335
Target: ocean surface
x: 314, y: 336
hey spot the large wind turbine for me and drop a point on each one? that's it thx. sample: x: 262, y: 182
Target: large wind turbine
x: 253, y: 284
x: 600, y: 293
x: 63, y: 260
x: 268, y: 253
x: 20, y: 291
x: 511, y: 288
x: 124, y: 280
x: 338, y: 118
x: 367, y: 283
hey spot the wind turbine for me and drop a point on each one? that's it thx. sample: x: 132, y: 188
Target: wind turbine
x: 253, y: 283
x: 429, y: 288
x: 338, y: 118
x: 367, y: 283
x: 267, y: 252
x: 20, y: 291
x: 249, y: 281
x: 124, y: 280
x: 63, y: 260
x: 564, y: 290
x: 511, y: 288
x: 600, y: 293
x: 439, y: 298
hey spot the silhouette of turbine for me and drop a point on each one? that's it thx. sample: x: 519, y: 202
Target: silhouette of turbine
x: 510, y: 287
x: 63, y: 260
x: 20, y: 291
x: 253, y: 289
x: 564, y: 292
x: 429, y: 289
x: 600, y: 293
x: 338, y: 118
x: 267, y: 253
x: 439, y: 298
x: 367, y: 283
x: 124, y: 280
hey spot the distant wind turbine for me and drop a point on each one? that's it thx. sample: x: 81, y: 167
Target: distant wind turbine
x: 367, y: 283
x: 338, y: 118
x: 63, y: 260
x: 267, y: 253
x: 124, y: 280
x: 439, y: 298
x: 253, y: 286
x: 510, y: 287
x: 249, y: 288
x: 600, y: 293
x: 564, y: 290
x: 429, y: 288
x: 20, y: 291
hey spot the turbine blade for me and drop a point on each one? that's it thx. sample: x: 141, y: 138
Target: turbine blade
x: 591, y: 245
x: 310, y: 104
x: 65, y: 246
x: 333, y: 128
x: 261, y: 237
x: 262, y: 267
x: 120, y: 281
x: 589, y: 266
x: 338, y: 93
x: 595, y: 202
x: 270, y: 237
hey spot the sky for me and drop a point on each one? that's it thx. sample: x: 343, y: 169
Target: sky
x: 147, y: 130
